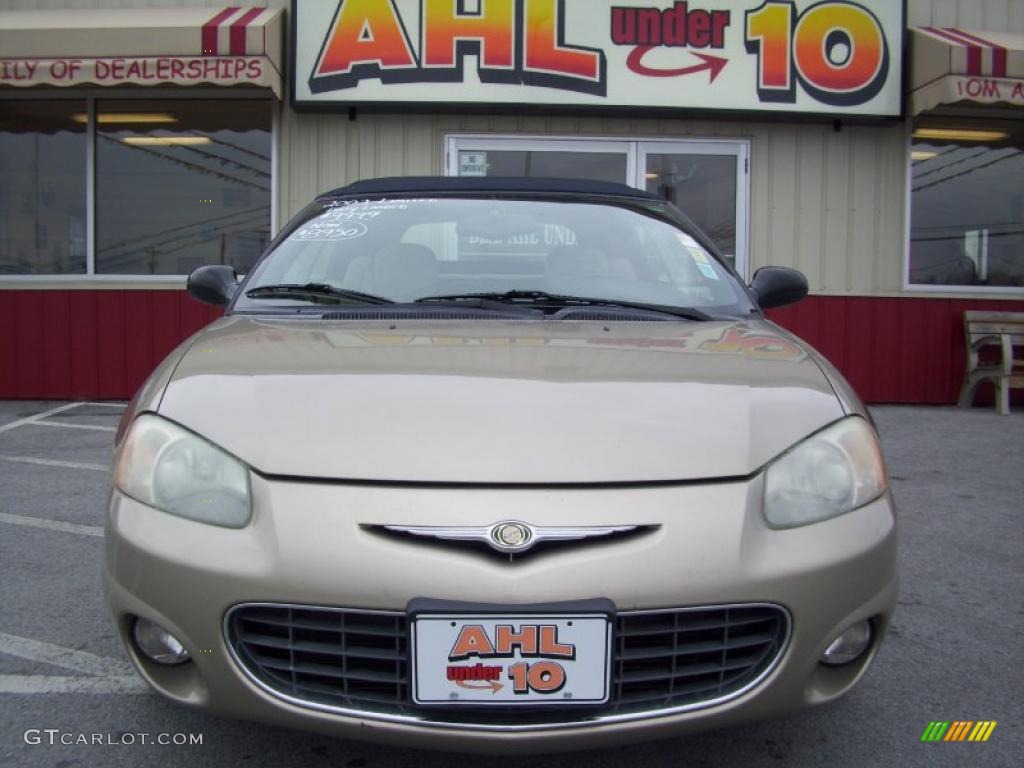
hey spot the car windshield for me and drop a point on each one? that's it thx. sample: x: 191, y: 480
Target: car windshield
x: 540, y: 252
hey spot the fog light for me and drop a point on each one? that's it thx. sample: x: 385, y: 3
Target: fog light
x: 158, y: 644
x: 848, y: 646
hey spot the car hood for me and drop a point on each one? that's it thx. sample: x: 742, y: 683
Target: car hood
x: 536, y: 402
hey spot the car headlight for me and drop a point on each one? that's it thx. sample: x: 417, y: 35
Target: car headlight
x: 830, y: 473
x: 176, y: 471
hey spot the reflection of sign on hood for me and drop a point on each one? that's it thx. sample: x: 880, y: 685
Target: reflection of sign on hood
x: 734, y: 340
x: 780, y: 55
x: 738, y: 339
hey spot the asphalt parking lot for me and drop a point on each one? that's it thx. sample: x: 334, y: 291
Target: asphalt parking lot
x: 955, y: 651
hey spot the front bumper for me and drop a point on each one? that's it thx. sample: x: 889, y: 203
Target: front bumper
x: 306, y: 545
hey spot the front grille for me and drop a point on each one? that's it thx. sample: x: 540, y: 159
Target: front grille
x: 358, y: 661
x: 677, y: 658
x: 349, y: 659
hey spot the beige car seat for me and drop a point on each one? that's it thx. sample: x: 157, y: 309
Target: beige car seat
x: 403, y: 272
x: 570, y: 268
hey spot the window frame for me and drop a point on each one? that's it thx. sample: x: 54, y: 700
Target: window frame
x: 92, y: 279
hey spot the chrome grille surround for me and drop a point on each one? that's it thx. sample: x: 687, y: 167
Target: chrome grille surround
x: 367, y: 666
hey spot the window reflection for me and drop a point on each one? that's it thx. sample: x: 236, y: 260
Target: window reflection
x: 42, y: 187
x: 704, y: 188
x: 181, y: 184
x: 967, y: 220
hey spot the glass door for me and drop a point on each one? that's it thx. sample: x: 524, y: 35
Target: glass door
x: 542, y: 158
x: 707, y: 180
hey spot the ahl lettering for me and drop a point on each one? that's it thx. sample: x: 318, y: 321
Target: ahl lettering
x: 369, y: 39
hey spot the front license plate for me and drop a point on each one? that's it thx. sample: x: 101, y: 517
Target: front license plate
x: 508, y: 659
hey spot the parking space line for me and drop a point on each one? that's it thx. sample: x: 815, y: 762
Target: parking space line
x: 122, y: 406
x: 59, y: 425
x: 105, y: 675
x: 66, y: 658
x: 33, y: 684
x: 55, y: 463
x: 52, y: 525
x: 36, y: 417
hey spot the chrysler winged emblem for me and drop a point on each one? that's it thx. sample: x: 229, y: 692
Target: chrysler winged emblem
x: 512, y: 537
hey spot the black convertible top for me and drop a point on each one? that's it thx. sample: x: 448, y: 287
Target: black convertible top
x: 420, y: 184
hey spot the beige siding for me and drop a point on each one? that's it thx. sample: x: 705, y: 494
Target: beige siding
x: 830, y: 204
x: 1002, y: 15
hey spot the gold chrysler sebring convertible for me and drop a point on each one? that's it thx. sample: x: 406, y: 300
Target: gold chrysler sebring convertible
x: 498, y: 465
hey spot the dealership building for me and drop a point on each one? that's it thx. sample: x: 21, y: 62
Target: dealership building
x: 875, y: 145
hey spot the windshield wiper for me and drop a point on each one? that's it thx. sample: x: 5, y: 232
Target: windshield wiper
x: 484, y: 301
x: 555, y: 299
x: 315, y: 292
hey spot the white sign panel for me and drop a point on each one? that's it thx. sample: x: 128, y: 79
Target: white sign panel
x: 472, y: 164
x: 836, y: 57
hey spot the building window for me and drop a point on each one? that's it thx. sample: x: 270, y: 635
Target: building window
x: 42, y: 187
x: 180, y: 184
x: 177, y: 184
x: 967, y: 203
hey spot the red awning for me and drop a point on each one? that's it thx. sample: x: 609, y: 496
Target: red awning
x: 182, y: 46
x: 951, y: 66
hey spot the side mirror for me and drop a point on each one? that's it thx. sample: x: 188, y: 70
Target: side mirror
x: 215, y: 284
x: 778, y: 286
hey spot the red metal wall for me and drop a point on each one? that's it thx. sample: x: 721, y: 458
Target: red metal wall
x: 898, y: 350
x: 60, y: 344
x: 85, y: 344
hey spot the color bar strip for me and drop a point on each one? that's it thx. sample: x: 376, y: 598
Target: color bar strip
x: 935, y: 730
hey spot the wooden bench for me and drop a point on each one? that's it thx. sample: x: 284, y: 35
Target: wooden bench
x: 1005, y: 331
